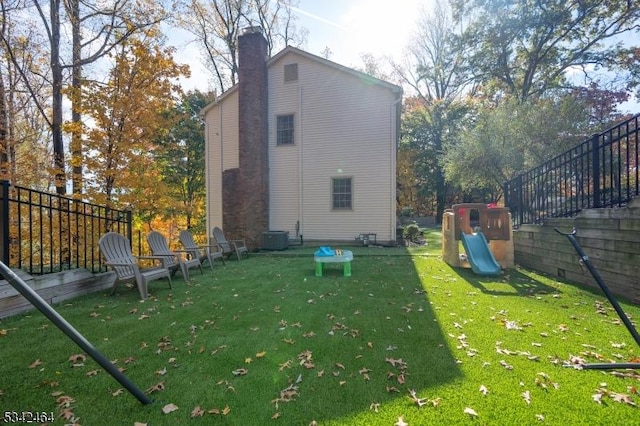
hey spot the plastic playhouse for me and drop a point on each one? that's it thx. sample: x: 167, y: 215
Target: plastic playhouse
x: 486, y: 236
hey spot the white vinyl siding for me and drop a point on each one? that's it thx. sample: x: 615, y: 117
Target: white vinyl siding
x: 221, y: 152
x: 345, y: 126
x: 285, y: 202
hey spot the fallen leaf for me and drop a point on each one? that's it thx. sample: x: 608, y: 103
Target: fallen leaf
x: 418, y: 401
x: 78, y: 358
x: 65, y: 401
x: 261, y: 354
x: 197, y: 412
x: 117, y: 392
x: 484, y: 390
x: 506, y: 365
x: 169, y: 408
x: 156, y: 388
x: 276, y: 415
x: 240, y: 372
x: 67, y: 414
x: 470, y: 411
x: 527, y: 397
x: 400, y: 422
x: 35, y: 363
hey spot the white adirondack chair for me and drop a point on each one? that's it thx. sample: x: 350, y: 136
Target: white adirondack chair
x: 209, y: 252
x: 116, y: 250
x: 172, y: 259
x: 229, y: 246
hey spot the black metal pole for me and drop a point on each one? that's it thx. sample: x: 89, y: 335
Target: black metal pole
x: 596, y: 275
x: 71, y: 332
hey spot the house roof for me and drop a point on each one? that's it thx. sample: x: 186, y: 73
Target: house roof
x: 293, y: 50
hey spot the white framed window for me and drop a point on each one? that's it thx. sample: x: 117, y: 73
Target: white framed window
x: 342, y: 193
x: 284, y: 129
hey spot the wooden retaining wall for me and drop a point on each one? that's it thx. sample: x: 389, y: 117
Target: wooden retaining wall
x: 53, y: 288
x: 609, y: 237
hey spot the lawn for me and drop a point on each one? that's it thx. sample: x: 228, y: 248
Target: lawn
x: 405, y: 340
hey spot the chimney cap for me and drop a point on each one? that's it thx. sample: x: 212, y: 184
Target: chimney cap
x: 252, y: 30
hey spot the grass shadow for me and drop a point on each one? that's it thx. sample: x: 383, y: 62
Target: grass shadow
x: 512, y: 282
x: 262, y: 337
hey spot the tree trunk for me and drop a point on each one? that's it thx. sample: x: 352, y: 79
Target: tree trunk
x: 4, y: 133
x: 76, y: 106
x: 56, y: 122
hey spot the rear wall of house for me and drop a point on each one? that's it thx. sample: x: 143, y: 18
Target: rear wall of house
x: 344, y: 127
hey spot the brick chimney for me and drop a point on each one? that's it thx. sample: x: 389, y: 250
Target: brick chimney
x: 246, y: 190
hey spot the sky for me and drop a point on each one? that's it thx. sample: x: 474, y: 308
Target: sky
x: 349, y: 28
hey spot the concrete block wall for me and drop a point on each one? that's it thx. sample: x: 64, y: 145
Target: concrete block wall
x: 609, y: 237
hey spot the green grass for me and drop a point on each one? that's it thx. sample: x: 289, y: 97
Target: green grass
x: 264, y: 314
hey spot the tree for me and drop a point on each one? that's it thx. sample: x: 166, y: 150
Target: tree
x: 526, y: 48
x: 96, y: 28
x: 23, y: 100
x: 216, y: 24
x: 511, y: 137
x: 182, y: 157
x: 127, y: 112
x: 434, y: 116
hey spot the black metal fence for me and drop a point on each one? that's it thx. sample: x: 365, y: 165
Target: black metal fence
x: 43, y: 233
x: 599, y: 172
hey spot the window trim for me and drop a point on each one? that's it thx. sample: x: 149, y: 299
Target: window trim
x: 333, y: 201
x: 292, y: 130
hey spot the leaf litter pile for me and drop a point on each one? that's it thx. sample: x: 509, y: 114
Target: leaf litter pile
x: 403, y: 341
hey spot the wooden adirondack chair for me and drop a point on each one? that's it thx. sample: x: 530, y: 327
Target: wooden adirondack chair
x: 172, y: 259
x: 116, y: 250
x: 210, y: 252
x: 229, y: 246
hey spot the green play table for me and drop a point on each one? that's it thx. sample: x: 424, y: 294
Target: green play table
x: 345, y: 259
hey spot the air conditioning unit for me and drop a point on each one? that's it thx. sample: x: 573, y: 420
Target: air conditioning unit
x: 275, y: 240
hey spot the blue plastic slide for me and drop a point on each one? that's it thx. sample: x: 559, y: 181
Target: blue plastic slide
x: 479, y: 255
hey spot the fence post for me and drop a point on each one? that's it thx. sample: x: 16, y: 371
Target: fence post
x: 595, y: 164
x: 4, y: 222
x: 129, y: 231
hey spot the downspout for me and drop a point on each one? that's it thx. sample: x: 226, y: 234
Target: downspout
x: 395, y: 137
x: 300, y: 167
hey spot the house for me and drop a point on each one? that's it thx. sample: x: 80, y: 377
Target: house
x: 301, y: 143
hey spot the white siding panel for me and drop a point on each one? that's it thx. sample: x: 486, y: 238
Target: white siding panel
x: 284, y: 178
x: 213, y: 160
x: 230, y: 135
x: 347, y: 131
x: 221, y: 122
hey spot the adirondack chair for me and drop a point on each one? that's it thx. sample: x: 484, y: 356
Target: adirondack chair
x: 229, y: 246
x: 172, y: 259
x: 117, y: 252
x: 209, y: 252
